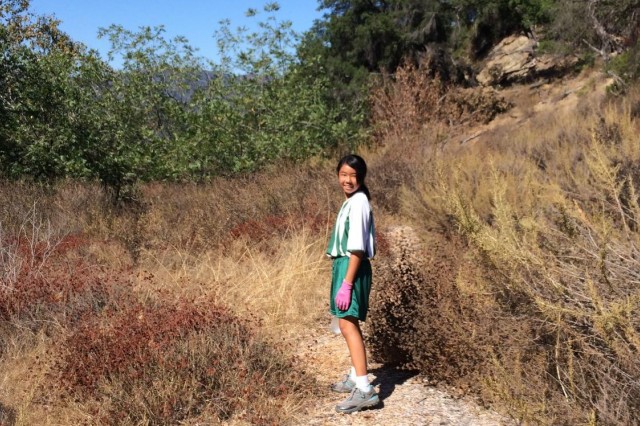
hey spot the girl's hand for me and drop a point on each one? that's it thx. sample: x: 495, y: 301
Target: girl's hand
x: 343, y: 297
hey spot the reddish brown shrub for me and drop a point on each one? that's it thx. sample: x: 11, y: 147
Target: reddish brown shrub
x: 121, y: 340
x: 163, y: 363
x: 54, y: 279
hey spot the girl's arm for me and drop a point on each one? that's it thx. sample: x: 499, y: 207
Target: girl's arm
x: 354, y: 263
x: 343, y: 297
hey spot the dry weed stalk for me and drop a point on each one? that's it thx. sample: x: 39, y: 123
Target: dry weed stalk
x: 26, y: 252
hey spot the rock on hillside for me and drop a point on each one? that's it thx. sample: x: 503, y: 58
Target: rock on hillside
x: 515, y: 60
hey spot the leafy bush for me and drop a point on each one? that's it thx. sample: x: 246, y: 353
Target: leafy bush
x: 167, y: 114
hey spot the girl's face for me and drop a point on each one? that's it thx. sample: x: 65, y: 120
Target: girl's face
x: 348, y: 181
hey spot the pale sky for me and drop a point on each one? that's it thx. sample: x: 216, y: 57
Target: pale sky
x: 197, y: 20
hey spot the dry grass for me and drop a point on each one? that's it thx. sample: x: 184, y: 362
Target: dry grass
x: 526, y: 295
x: 542, y: 318
x: 124, y: 321
x: 285, y: 287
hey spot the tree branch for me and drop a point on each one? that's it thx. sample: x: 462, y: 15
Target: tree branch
x: 611, y: 43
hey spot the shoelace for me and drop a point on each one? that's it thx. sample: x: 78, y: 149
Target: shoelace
x: 353, y: 392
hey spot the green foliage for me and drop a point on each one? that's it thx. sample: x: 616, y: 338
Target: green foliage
x: 39, y: 101
x: 260, y: 106
x: 144, y: 107
x: 359, y: 37
x: 626, y: 68
x: 167, y: 114
x: 488, y: 21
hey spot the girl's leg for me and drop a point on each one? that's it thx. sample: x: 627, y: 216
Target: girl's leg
x: 350, y: 328
x: 363, y: 395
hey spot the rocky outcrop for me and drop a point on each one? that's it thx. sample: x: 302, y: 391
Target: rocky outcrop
x: 515, y: 60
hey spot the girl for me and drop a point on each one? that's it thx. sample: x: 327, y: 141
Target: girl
x: 351, y: 246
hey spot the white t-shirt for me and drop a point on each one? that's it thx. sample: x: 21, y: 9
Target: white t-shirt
x: 354, y: 228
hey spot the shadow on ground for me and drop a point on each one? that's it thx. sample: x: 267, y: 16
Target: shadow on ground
x: 388, y: 378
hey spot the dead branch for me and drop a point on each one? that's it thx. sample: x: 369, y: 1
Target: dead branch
x: 611, y: 42
x: 472, y: 137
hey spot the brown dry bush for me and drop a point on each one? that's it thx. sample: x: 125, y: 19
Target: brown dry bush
x: 64, y: 206
x: 78, y: 284
x: 420, y: 320
x: 429, y: 313
x: 405, y: 103
x: 7, y: 415
x: 160, y: 363
x: 45, y: 275
x: 187, y: 217
x: 540, y: 316
x: 563, y: 253
x: 394, y: 298
x: 258, y: 207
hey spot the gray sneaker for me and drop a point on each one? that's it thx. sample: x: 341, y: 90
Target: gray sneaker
x: 346, y: 385
x: 358, y: 400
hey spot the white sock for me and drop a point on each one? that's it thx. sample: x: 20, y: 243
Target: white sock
x: 352, y: 374
x: 362, y: 383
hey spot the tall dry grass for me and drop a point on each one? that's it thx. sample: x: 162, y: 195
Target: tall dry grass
x: 150, y: 312
x: 284, y: 288
x: 544, y: 317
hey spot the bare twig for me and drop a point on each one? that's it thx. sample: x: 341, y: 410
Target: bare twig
x: 475, y: 135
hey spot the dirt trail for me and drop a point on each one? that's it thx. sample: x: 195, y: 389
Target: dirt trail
x: 406, y: 398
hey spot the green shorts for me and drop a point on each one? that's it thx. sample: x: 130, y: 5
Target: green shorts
x: 361, y: 288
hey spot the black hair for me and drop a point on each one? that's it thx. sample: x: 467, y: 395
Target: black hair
x: 358, y: 164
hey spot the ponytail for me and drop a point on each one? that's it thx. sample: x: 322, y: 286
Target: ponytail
x: 363, y: 188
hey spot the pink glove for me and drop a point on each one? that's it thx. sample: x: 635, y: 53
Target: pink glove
x: 343, y: 297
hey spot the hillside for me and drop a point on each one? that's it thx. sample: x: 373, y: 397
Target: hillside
x: 417, y: 397
x: 162, y: 256
x: 515, y: 247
